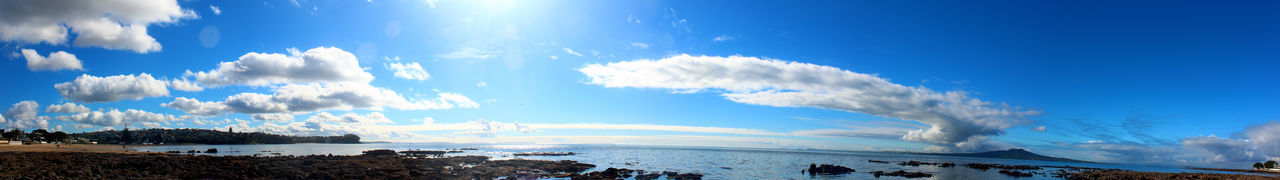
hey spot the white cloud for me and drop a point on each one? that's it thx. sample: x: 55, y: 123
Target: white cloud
x: 88, y: 88
x: 431, y: 3
x: 350, y: 118
x: 118, y: 118
x: 25, y: 115
x: 954, y: 117
x: 320, y: 96
x: 195, y: 107
x: 553, y: 57
x: 1223, y: 149
x: 321, y: 64
x: 640, y: 45
x: 111, y: 24
x: 60, y: 60
x: 490, y: 128
x: 651, y: 127
x: 215, y: 9
x: 858, y: 132
x: 411, y: 71
x: 1038, y: 128
x: 274, y: 117
x: 570, y: 51
x: 67, y: 108
x: 481, y: 84
x: 469, y: 53
x: 184, y: 85
x: 722, y: 38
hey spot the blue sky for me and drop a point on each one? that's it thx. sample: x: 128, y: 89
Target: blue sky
x: 1147, y: 82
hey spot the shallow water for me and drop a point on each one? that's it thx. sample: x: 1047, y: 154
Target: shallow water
x: 715, y: 163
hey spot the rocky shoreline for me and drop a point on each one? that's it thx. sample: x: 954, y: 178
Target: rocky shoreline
x: 89, y: 165
x: 386, y: 164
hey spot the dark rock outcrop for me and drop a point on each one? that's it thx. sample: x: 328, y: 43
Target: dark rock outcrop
x: 1016, y: 173
x: 901, y: 173
x: 827, y: 169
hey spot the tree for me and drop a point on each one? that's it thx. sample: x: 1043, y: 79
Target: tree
x: 39, y: 134
x: 126, y: 137
x: 1258, y: 165
x: 1270, y: 164
x: 58, y: 136
x: 15, y: 134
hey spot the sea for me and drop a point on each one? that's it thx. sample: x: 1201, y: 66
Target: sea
x: 713, y: 162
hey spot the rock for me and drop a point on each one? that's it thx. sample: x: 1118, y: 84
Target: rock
x: 827, y: 169
x: 686, y: 176
x: 211, y: 150
x: 650, y: 176
x: 378, y: 152
x: 1016, y: 173
x: 947, y: 165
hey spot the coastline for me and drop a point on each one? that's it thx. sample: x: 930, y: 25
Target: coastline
x: 93, y: 148
x: 111, y: 161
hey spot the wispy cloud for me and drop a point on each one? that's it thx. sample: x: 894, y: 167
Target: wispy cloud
x: 469, y: 53
x: 570, y: 51
x: 651, y: 127
x: 722, y: 38
x: 639, y: 45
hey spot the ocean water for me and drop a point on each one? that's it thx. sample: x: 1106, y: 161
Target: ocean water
x: 714, y: 163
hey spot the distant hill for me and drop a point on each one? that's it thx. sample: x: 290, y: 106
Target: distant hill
x: 204, y: 136
x: 1008, y: 154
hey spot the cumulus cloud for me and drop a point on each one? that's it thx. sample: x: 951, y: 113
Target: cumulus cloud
x: 1223, y: 149
x: 195, y: 107
x: 87, y: 88
x: 570, y: 51
x: 481, y: 84
x: 320, y: 96
x: 469, y: 53
x: 116, y: 117
x: 25, y: 114
x: 67, y: 108
x: 275, y: 117
x: 111, y: 24
x: 184, y: 85
x: 1265, y: 136
x: 321, y: 64
x: 60, y: 60
x: 350, y: 118
x: 411, y: 71
x: 1038, y: 128
x: 954, y: 117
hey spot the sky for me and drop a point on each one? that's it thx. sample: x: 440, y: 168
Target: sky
x: 1168, y: 82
